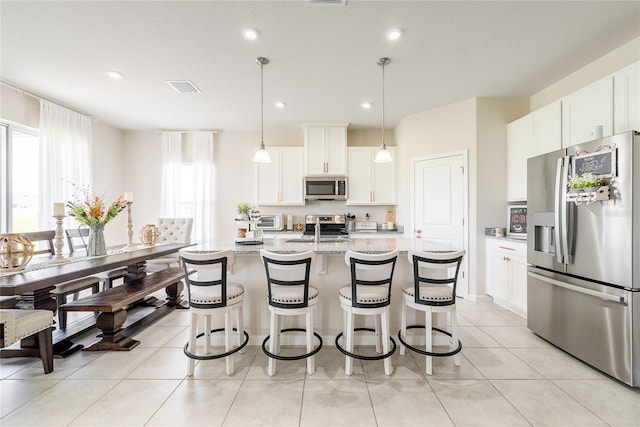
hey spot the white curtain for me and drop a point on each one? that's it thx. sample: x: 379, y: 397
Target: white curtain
x: 203, y: 169
x: 171, y: 176
x: 65, y: 157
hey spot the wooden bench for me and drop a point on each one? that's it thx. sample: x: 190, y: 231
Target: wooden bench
x: 113, y: 303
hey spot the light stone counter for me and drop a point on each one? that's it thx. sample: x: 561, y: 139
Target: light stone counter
x: 328, y: 273
x: 329, y: 245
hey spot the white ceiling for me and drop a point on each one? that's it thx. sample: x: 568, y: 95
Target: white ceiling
x: 323, y: 58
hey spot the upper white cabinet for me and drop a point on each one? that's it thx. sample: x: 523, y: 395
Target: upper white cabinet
x: 547, y: 129
x: 519, y: 145
x: 280, y: 182
x: 626, y: 96
x: 585, y: 109
x: 325, y: 148
x: 370, y: 183
x: 534, y: 134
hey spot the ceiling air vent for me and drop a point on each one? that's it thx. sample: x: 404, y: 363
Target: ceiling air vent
x: 327, y: 2
x: 183, y: 86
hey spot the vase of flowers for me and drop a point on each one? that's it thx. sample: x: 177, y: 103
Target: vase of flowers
x: 96, y: 213
x: 96, y: 245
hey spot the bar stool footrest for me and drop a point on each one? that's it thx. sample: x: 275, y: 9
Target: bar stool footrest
x: 430, y: 353
x: 219, y: 355
x: 360, y: 357
x: 302, y: 356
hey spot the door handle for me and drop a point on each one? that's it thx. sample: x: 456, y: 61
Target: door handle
x: 608, y: 297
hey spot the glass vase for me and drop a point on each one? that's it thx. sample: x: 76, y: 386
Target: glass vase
x: 96, y: 245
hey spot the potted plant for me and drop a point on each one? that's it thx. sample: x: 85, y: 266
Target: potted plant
x: 243, y: 209
x: 585, y: 182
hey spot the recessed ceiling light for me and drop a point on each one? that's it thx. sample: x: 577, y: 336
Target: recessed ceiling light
x: 116, y: 75
x: 280, y: 104
x: 250, y: 33
x: 366, y: 105
x: 394, y: 34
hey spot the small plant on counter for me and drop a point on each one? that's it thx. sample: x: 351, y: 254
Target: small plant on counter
x: 586, y: 180
x: 243, y: 209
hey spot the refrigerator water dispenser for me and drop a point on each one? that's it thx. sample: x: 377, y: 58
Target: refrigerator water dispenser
x: 543, y: 223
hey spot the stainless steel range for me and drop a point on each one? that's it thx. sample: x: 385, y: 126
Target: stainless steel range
x: 330, y: 225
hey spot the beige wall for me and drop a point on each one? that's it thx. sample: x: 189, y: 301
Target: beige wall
x: 615, y: 60
x: 477, y: 126
x: 235, y: 180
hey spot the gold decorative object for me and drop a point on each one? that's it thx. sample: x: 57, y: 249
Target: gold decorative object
x: 16, y: 251
x: 149, y: 234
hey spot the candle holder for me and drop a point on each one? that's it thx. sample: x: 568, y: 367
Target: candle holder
x: 130, y: 245
x: 58, y: 258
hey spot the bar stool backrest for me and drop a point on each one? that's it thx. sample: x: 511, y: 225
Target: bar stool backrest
x: 207, y: 283
x: 368, y: 270
x: 287, y: 270
x: 435, y: 269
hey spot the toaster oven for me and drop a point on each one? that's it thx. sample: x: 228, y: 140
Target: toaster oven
x: 271, y: 222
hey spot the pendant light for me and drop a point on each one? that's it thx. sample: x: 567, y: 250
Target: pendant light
x: 383, y: 155
x: 261, y: 155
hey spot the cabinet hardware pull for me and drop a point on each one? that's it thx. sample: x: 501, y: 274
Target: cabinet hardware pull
x: 509, y: 249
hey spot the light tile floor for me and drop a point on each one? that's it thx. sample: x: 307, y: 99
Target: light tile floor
x: 508, y: 376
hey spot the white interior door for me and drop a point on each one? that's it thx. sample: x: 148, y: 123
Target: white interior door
x: 439, y: 205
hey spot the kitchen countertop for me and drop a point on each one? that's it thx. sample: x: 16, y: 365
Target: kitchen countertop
x: 363, y: 245
x: 510, y: 239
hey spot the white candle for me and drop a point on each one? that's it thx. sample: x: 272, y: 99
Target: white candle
x: 128, y: 196
x: 58, y: 209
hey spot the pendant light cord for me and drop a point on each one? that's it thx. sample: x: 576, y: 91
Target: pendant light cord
x: 383, y: 144
x: 383, y: 62
x: 261, y: 106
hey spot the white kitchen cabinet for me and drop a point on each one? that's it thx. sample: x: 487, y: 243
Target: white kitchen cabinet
x: 506, y: 273
x: 370, y: 183
x: 537, y: 133
x: 325, y: 149
x: 280, y: 182
x: 585, y: 109
x: 519, y: 145
x: 547, y: 129
x: 626, y: 98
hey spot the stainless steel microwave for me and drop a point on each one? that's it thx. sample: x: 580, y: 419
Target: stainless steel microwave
x: 325, y: 188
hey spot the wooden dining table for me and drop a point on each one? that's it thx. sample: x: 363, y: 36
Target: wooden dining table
x: 32, y: 286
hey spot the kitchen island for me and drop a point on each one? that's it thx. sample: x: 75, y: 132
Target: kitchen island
x: 329, y: 273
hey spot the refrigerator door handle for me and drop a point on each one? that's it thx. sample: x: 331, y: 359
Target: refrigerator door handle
x: 608, y: 297
x: 558, y: 223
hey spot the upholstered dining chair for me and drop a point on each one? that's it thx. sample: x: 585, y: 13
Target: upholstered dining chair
x: 435, y: 276
x: 368, y: 294
x: 16, y: 324
x: 171, y: 230
x: 290, y: 294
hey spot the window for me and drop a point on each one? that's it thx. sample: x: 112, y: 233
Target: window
x: 19, y: 183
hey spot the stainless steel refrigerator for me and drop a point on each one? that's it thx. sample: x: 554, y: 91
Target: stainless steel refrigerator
x: 583, y: 250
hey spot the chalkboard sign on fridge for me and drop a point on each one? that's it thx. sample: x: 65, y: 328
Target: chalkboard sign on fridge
x: 517, y: 221
x: 601, y: 163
